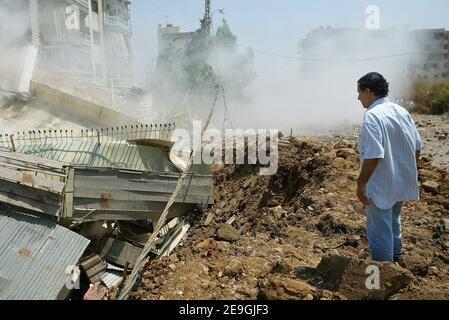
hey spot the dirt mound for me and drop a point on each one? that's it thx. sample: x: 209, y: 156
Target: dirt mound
x: 282, y: 226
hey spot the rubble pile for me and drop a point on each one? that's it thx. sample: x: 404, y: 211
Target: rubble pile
x: 300, y: 234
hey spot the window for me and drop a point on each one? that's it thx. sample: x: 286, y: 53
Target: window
x: 94, y: 6
x: 446, y: 46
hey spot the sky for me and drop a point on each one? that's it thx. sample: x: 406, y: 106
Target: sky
x: 278, y: 26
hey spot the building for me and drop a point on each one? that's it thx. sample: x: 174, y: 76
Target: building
x: 84, y: 39
x: 117, y: 35
x: 171, y: 36
x: 433, y: 44
x: 418, y: 54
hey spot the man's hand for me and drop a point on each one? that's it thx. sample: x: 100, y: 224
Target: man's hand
x: 361, y: 194
x: 368, y: 168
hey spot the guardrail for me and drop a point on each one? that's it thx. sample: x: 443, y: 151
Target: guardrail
x: 11, y: 142
x: 118, y: 22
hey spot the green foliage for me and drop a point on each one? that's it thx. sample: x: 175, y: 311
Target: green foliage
x: 431, y: 97
x: 195, y: 66
x: 224, y: 37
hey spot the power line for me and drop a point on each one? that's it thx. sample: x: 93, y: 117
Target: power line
x: 330, y: 60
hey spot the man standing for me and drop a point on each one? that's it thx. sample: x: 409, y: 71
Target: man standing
x: 389, y: 147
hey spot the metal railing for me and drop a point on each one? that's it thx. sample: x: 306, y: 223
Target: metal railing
x: 117, y: 21
x: 11, y: 142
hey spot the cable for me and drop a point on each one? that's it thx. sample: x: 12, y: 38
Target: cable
x: 329, y: 60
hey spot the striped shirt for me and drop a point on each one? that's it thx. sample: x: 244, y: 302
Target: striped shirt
x: 389, y: 134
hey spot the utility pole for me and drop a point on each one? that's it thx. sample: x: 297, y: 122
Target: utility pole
x: 207, y: 21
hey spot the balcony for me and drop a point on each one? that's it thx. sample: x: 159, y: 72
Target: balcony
x: 118, y: 22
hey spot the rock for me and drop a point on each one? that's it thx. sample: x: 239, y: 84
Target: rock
x: 350, y: 276
x: 279, y: 288
x: 358, y: 207
x: 204, y: 285
x: 431, y: 186
x: 172, y: 267
x: 174, y: 258
x: 210, y: 217
x: 282, y: 266
x: 208, y: 244
x: 263, y: 236
x: 249, y: 292
x: 309, y: 297
x: 421, y: 222
x: 234, y: 268
x: 345, y: 153
x: 446, y: 204
x: 327, y: 295
x: 223, y: 246
x: 278, y: 212
x: 228, y: 233
x: 339, y: 163
x: 425, y: 174
x: 353, y: 240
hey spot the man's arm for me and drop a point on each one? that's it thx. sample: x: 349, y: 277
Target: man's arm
x: 368, y: 168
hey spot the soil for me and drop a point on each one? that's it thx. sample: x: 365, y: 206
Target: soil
x: 300, y: 234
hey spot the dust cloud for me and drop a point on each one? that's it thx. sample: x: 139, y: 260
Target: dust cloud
x: 318, y: 90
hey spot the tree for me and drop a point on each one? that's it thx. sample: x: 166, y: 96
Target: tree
x: 224, y: 37
x: 195, y: 67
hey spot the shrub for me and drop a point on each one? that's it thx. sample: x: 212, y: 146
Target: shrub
x: 431, y: 97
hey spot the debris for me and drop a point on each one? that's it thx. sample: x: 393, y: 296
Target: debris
x: 228, y: 233
x: 93, y: 267
x: 119, y: 252
x: 210, y: 217
x: 431, y: 186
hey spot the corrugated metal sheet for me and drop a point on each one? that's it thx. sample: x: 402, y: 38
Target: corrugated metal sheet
x: 111, y: 279
x: 34, y: 255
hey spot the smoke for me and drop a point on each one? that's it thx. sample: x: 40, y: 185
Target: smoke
x: 319, y: 90
x: 14, y: 27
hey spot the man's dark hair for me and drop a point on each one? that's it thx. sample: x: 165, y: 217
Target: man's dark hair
x: 376, y: 83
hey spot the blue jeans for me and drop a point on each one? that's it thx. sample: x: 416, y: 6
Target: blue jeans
x: 384, y: 232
